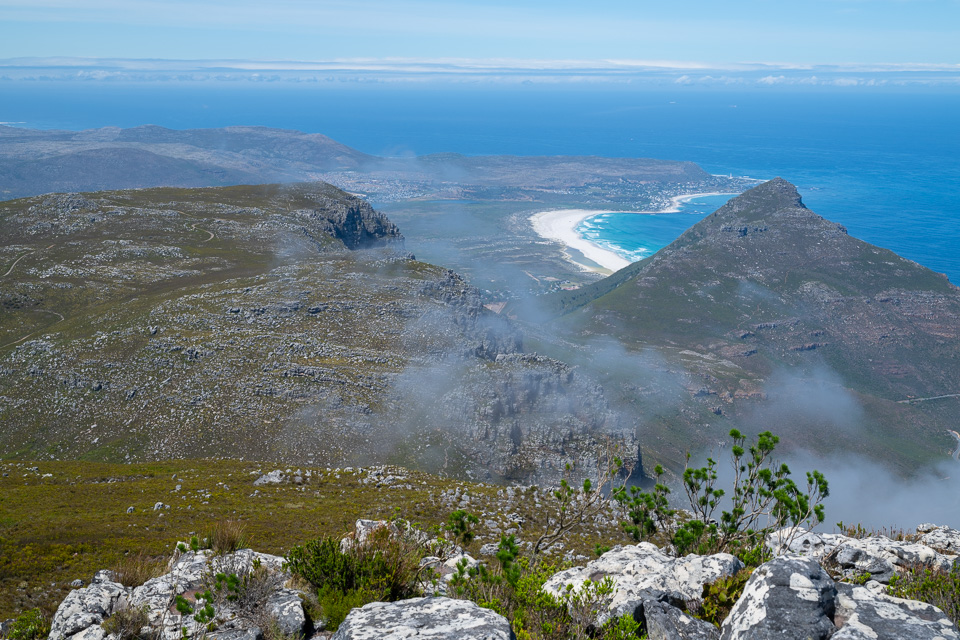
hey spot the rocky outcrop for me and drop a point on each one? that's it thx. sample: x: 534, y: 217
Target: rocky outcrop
x: 862, y: 613
x: 877, y: 555
x: 83, y: 612
x: 793, y: 597
x: 786, y: 597
x: 666, y: 622
x: 643, y: 572
x: 942, y: 539
x: 351, y: 220
x: 426, y: 618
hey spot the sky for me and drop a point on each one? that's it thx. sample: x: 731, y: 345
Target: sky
x: 711, y: 33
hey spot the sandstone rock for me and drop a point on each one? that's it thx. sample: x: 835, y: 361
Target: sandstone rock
x: 878, y: 555
x: 85, y: 608
x: 425, y: 619
x: 237, y: 634
x: 862, y: 614
x: 665, y: 622
x: 286, y: 609
x: 274, y: 477
x: 445, y: 570
x: 784, y: 598
x: 943, y: 539
x: 641, y: 573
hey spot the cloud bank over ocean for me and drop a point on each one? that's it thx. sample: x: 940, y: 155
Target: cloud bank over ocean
x: 495, y: 71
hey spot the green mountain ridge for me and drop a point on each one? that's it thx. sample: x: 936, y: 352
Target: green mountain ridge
x: 764, y: 289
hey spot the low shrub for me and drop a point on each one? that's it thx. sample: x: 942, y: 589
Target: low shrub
x: 244, y: 589
x: 127, y: 623
x: 514, y: 589
x: 29, y: 625
x: 720, y: 596
x: 934, y: 586
x: 385, y: 567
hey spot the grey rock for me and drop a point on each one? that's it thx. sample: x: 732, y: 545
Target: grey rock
x: 130, y: 509
x: 665, y: 622
x: 784, y: 598
x: 104, y: 575
x: 237, y: 634
x: 878, y: 555
x: 444, y: 571
x: 426, y: 619
x: 643, y: 572
x: 76, y: 584
x: 85, y: 608
x: 94, y: 632
x: 862, y: 613
x: 942, y: 539
x: 286, y: 608
x: 274, y: 477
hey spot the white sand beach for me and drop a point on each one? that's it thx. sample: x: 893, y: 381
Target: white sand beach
x: 561, y: 226
x: 676, y: 201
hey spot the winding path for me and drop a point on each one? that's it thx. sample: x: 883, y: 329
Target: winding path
x: 194, y: 227
x: 10, y: 270
x: 59, y: 315
x: 916, y: 400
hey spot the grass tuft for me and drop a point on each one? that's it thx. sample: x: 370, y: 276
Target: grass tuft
x: 132, y: 570
x: 227, y: 536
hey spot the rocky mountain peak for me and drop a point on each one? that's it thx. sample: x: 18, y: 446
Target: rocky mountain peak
x: 772, y: 196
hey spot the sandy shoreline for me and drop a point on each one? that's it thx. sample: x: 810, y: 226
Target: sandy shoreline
x: 561, y: 226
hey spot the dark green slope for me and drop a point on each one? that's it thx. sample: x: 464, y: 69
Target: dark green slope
x: 764, y: 289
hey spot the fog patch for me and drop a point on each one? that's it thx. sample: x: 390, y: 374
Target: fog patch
x: 807, y: 405
x: 862, y: 491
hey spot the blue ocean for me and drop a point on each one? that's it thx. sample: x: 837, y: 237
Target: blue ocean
x: 883, y: 162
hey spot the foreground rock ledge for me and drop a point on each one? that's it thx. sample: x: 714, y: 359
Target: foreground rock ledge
x: 426, y: 618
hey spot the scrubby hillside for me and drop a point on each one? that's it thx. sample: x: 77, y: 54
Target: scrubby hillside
x: 274, y: 322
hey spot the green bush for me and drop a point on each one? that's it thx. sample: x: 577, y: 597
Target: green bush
x: 647, y: 510
x: 514, y: 589
x: 933, y: 586
x: 29, y: 625
x: 763, y: 498
x: 385, y: 567
x: 720, y: 596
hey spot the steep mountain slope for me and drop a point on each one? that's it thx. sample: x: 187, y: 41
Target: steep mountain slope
x: 778, y: 316
x: 269, y: 322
